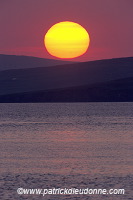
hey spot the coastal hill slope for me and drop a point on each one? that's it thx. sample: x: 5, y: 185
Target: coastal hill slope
x: 8, y: 62
x: 103, y: 80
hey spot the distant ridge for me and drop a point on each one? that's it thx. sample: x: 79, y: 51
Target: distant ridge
x: 21, y: 62
x: 103, y: 80
x: 112, y: 91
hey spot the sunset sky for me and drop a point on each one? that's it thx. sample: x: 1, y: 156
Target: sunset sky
x: 23, y: 24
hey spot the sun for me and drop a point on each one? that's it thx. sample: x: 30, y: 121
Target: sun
x: 67, y: 40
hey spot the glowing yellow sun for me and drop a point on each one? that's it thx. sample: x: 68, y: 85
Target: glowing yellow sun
x: 67, y: 40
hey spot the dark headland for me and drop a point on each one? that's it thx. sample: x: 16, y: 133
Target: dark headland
x: 95, y: 81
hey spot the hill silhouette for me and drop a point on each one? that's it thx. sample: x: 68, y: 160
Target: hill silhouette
x: 8, y: 62
x: 103, y: 80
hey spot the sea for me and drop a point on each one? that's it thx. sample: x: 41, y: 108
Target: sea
x: 83, y: 146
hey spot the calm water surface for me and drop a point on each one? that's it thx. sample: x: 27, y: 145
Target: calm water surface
x: 71, y: 144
